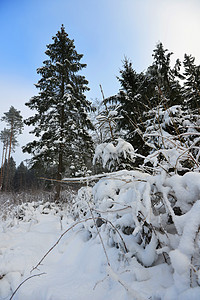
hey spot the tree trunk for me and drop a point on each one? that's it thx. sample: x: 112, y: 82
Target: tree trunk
x: 60, y: 155
x: 1, y: 176
x: 9, y: 154
x: 4, y: 164
x: 59, y: 176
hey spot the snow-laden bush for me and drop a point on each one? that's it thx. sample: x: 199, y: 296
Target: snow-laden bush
x: 115, y: 155
x: 173, y: 137
x: 154, y: 218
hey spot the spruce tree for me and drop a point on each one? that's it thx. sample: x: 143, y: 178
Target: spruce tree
x: 131, y: 102
x: 141, y: 92
x: 163, y: 79
x: 192, y: 82
x: 20, y: 178
x: 131, y: 96
x: 130, y: 99
x: 61, y: 122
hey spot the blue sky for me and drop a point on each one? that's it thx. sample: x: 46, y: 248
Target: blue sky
x: 104, y: 31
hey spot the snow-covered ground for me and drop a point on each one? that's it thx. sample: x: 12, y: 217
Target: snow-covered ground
x: 114, y: 253
x: 75, y: 269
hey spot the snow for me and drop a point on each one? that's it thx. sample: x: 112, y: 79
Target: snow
x: 187, y: 188
x: 108, y: 153
x: 114, y: 241
x: 75, y: 269
x: 180, y: 261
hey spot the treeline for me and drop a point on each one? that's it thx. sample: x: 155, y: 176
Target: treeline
x: 152, y: 106
x: 160, y: 103
x: 19, y: 178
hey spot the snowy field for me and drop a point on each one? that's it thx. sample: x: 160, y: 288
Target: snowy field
x: 120, y: 239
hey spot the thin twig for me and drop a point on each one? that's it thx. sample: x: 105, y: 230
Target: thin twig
x: 111, y: 210
x: 104, y: 249
x: 117, y: 232
x: 71, y: 227
x: 39, y: 263
x: 88, y: 178
x: 24, y: 282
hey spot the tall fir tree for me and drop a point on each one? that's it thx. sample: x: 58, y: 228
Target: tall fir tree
x: 61, y: 122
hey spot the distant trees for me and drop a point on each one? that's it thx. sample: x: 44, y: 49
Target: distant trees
x: 61, y: 122
x: 19, y: 178
x: 8, y: 136
x: 9, y: 169
x: 25, y: 179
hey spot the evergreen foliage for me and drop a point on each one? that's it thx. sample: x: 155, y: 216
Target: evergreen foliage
x: 61, y: 122
x: 141, y: 93
x: 24, y: 179
x: 14, y: 121
x: 8, y: 136
x: 192, y: 82
x: 150, y: 109
x: 164, y: 79
x: 7, y: 181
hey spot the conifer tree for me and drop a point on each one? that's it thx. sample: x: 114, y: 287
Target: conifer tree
x: 130, y: 100
x: 131, y: 95
x: 5, y: 139
x: 192, y: 82
x: 61, y: 122
x: 14, y: 121
x: 164, y: 79
x: 7, y: 181
x: 20, y: 178
x: 141, y: 92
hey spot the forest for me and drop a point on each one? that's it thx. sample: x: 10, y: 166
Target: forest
x: 118, y: 175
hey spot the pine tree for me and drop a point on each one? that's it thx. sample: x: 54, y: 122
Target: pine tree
x: 5, y: 138
x: 14, y: 121
x: 61, y: 122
